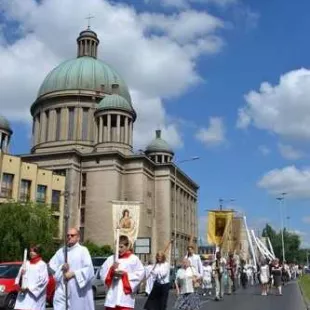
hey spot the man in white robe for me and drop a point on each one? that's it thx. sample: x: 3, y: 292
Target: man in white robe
x: 122, y: 278
x: 78, y: 273
x: 34, y: 279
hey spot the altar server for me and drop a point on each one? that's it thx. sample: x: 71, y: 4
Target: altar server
x: 33, y: 279
x: 122, y: 276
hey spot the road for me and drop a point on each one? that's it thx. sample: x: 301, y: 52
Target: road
x: 249, y: 299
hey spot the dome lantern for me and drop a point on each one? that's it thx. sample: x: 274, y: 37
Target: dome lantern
x: 159, y: 150
x: 5, y: 134
x: 87, y: 43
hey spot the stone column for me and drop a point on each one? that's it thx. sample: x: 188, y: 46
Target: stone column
x: 126, y: 130
x: 109, y: 128
x: 43, y: 127
x: 6, y: 143
x: 118, y: 128
x: 130, y: 133
x: 64, y: 118
x: 52, y: 131
x: 100, y: 128
x: 37, y: 133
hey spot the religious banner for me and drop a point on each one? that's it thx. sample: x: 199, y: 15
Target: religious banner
x: 218, y: 222
x: 126, y: 217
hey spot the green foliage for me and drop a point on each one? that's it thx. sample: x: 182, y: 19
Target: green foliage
x: 96, y: 250
x: 304, y: 283
x: 22, y: 225
x: 292, y: 242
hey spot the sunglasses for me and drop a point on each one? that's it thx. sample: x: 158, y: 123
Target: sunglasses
x: 71, y: 235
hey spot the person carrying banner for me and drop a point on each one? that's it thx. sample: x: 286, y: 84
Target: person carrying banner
x: 122, y: 276
x: 158, y: 297
x: 78, y: 273
x: 218, y: 268
x: 32, y: 279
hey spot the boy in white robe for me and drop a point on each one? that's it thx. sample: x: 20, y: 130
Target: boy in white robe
x: 78, y: 273
x: 122, y: 278
x: 34, y: 279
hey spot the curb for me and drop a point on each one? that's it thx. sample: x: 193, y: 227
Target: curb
x: 306, y: 302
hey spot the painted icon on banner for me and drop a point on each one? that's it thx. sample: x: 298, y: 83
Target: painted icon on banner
x: 220, y: 224
x: 126, y: 217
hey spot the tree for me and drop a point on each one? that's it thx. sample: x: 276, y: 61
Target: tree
x: 22, y: 225
x: 292, y: 244
x: 96, y: 250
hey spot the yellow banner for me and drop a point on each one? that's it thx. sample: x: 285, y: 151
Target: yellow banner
x: 218, y: 221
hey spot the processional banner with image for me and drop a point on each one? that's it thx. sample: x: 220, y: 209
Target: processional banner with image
x: 126, y: 217
x: 219, y: 222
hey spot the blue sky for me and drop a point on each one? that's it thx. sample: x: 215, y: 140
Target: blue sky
x: 252, y: 146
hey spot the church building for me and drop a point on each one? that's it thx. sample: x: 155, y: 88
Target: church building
x: 83, y: 121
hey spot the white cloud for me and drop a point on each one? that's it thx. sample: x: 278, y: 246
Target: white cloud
x: 263, y: 149
x: 214, y: 135
x: 283, y: 109
x: 181, y: 4
x: 185, y: 27
x: 291, y: 180
x: 289, y: 152
x: 154, y: 65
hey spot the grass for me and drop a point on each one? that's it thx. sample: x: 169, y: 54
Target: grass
x: 304, y: 283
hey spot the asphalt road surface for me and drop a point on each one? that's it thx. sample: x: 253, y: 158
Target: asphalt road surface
x: 249, y: 299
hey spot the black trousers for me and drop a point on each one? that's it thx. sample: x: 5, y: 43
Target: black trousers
x: 158, y: 297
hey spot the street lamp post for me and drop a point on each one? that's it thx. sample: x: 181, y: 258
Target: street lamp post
x: 281, y: 204
x: 175, y: 207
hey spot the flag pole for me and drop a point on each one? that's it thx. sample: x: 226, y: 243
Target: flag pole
x: 66, y: 227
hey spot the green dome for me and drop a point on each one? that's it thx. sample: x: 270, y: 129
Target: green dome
x: 115, y: 101
x: 84, y: 73
x: 4, y: 124
x: 159, y: 145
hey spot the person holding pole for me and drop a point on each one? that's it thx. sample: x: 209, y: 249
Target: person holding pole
x: 122, y: 274
x: 77, y: 273
x: 32, y: 279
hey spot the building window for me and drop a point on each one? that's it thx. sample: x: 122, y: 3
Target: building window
x: 41, y: 193
x: 25, y: 188
x: 7, y: 185
x: 84, y: 179
x: 82, y: 213
x: 85, y: 125
x: 56, y: 200
x: 83, y: 198
x: 58, y: 123
x: 71, y: 124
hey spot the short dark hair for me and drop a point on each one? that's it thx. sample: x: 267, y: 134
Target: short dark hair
x: 124, y: 240
x: 37, y: 248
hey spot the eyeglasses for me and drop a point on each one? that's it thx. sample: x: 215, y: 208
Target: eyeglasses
x: 71, y: 235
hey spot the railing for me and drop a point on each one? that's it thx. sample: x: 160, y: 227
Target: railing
x: 55, y: 207
x: 6, y: 192
x: 24, y: 197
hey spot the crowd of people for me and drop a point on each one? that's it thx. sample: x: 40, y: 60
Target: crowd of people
x: 123, y: 275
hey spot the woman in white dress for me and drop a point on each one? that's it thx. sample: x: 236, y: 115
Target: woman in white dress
x: 33, y: 279
x: 184, y: 282
x: 264, y: 277
x: 207, y: 278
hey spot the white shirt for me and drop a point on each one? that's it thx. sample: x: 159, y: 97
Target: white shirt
x: 222, y: 264
x: 195, y: 261
x: 161, y: 273
x: 79, y: 287
x: 35, y: 279
x: 136, y: 273
x: 184, y: 279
